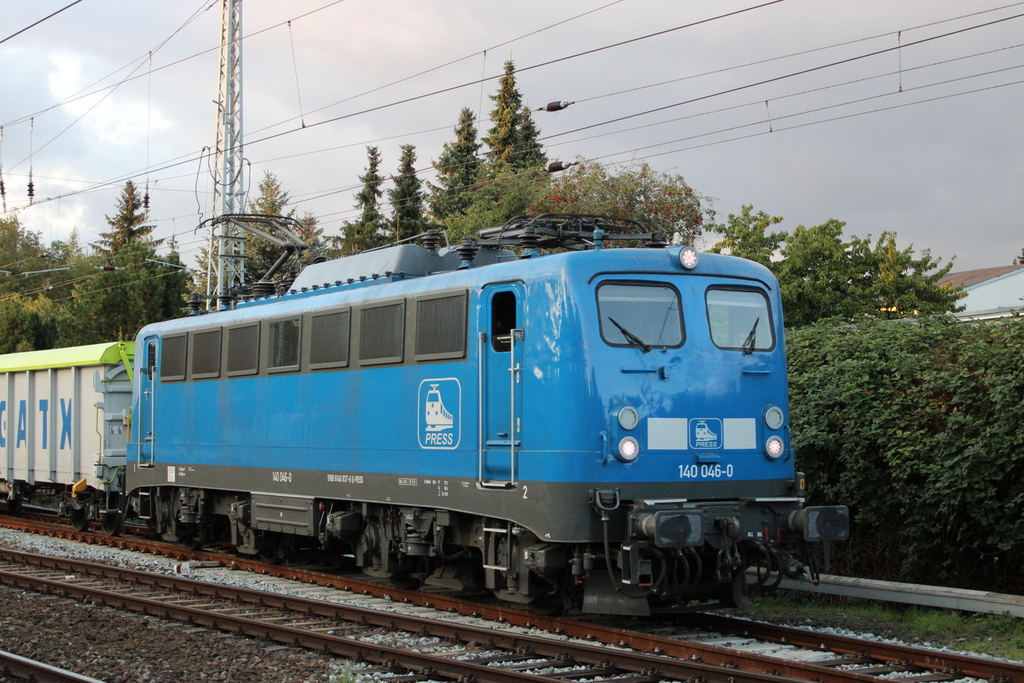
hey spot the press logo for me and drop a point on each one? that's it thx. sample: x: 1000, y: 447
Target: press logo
x: 439, y: 410
x: 706, y: 433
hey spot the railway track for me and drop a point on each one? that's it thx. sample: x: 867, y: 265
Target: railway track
x: 700, y: 640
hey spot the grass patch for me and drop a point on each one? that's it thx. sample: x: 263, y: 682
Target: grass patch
x: 992, y: 634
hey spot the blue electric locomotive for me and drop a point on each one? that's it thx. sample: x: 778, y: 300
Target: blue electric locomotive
x: 598, y: 427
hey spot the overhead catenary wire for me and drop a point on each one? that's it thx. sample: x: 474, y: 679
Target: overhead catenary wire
x: 792, y: 74
x: 295, y: 68
x: 455, y: 87
x: 34, y: 24
x: 557, y: 142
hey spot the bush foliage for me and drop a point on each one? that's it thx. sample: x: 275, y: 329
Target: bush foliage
x: 918, y: 427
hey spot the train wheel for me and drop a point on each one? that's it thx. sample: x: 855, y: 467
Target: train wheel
x: 732, y: 595
x: 112, y: 524
x: 547, y: 606
x: 406, y: 581
x: 79, y: 519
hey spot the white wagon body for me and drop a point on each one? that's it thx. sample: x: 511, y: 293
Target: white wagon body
x: 64, y: 418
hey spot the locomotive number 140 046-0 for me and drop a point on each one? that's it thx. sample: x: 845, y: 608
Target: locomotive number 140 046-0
x: 705, y: 471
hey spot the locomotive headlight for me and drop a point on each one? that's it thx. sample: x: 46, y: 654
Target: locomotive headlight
x: 688, y: 258
x: 774, y: 447
x: 629, y: 449
x: 773, y: 417
x: 628, y: 417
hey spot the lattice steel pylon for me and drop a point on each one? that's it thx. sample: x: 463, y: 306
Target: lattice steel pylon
x: 228, y: 185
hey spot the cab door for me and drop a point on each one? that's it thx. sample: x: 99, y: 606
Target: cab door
x: 501, y: 384
x: 144, y: 421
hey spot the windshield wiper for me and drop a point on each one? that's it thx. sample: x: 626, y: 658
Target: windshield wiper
x: 748, y: 343
x: 630, y: 337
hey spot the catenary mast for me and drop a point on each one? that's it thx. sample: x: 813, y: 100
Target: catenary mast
x: 228, y: 186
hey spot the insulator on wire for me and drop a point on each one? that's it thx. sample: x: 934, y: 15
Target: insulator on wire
x: 31, y: 189
x: 556, y: 105
x: 145, y: 201
x: 556, y: 166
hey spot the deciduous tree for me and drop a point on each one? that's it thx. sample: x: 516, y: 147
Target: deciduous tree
x: 823, y: 275
x: 665, y: 203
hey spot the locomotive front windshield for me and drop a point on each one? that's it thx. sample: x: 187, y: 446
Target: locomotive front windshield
x: 642, y: 315
x: 739, y: 319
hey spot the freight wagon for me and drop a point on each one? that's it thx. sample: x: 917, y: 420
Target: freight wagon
x: 64, y: 421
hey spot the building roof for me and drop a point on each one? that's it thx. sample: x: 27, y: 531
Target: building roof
x: 969, y: 278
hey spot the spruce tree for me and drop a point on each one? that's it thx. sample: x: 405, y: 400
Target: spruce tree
x: 115, y: 305
x: 512, y: 141
x: 407, y: 204
x: 260, y: 254
x: 127, y: 225
x: 364, y: 233
x: 458, y: 168
x: 529, y: 152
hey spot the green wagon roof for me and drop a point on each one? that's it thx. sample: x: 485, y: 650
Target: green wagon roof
x: 74, y: 356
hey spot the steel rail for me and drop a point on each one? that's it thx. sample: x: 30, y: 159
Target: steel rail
x: 29, y: 669
x: 948, y: 662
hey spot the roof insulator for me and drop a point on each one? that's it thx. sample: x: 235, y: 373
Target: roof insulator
x: 656, y: 242
x: 431, y: 240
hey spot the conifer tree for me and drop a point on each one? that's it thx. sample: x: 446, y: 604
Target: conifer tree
x: 512, y: 141
x: 116, y: 304
x: 261, y: 254
x: 364, y: 233
x: 407, y: 204
x: 529, y: 152
x: 458, y: 168
x: 127, y: 225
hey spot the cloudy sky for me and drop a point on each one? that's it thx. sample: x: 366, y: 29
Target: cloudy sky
x: 900, y: 116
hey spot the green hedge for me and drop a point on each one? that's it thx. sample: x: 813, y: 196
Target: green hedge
x: 918, y: 426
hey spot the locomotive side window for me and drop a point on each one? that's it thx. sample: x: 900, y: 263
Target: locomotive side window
x: 441, y: 327
x: 740, y: 319
x: 206, y: 354
x: 172, y: 358
x: 283, y: 337
x: 328, y: 343
x: 503, y: 320
x: 244, y: 350
x: 643, y: 315
x: 382, y: 334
